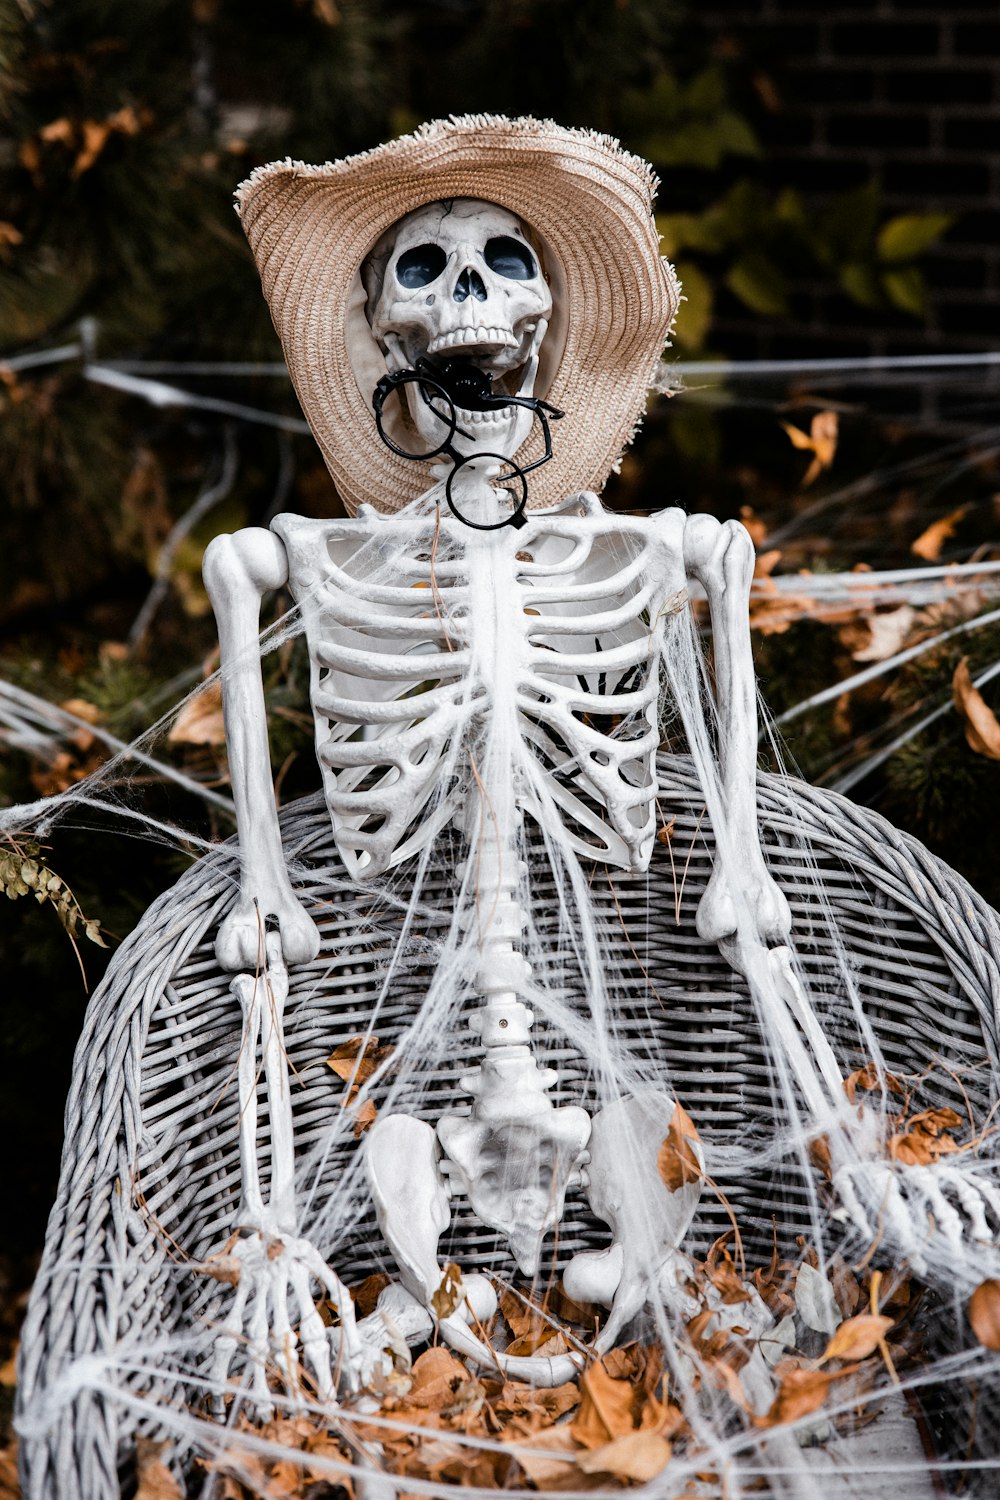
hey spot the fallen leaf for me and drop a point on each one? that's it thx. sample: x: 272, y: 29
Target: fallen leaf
x: 870, y: 1077
x: 756, y: 527
x: 436, y: 1375
x: 539, y: 1462
x: 677, y: 1161
x: 365, y: 1114
x: 982, y: 731
x: 887, y: 633
x: 606, y: 1408
x: 221, y: 1267
x: 814, y: 1300
x: 925, y: 1137
x: 9, y: 234
x: 636, y: 1455
x: 912, y: 1150
x: 10, y: 1488
x: 58, y: 130
x: 765, y: 563
x: 858, y: 1337
x: 936, y: 1122
x: 845, y: 1286
x: 820, y: 441
x: 984, y: 1313
x: 95, y: 135
x: 155, y: 1480
x: 449, y: 1294
x: 819, y: 1155
x: 774, y: 1341
x: 722, y: 1272
x: 800, y: 1393
x: 355, y: 1061
x: 539, y: 1406
x: 929, y: 543
x: 200, y: 720
x: 366, y: 1294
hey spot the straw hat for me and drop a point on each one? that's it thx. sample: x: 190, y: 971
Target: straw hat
x: 588, y: 204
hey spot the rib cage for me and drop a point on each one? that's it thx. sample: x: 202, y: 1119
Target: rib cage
x: 395, y: 624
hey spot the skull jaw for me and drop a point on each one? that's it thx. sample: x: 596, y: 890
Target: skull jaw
x: 500, y: 430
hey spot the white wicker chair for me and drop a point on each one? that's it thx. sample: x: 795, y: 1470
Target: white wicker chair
x: 150, y: 1169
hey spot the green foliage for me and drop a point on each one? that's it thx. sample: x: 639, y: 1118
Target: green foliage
x: 758, y: 244
x: 693, y: 124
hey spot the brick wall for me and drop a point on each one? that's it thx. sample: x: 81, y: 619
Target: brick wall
x: 907, y: 92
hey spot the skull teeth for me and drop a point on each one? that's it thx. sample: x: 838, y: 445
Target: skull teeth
x: 460, y: 338
x: 487, y: 418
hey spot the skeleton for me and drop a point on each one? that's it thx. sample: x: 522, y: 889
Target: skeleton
x: 567, y: 615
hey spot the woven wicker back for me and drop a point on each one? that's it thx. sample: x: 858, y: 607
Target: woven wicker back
x: 150, y: 1173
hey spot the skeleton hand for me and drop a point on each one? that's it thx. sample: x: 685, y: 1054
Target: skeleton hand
x: 931, y: 1215
x: 266, y: 1268
x: 240, y: 942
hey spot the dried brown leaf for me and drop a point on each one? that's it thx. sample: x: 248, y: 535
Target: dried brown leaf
x: 536, y: 1406
x: 820, y: 441
x: 756, y: 527
x: 765, y: 562
x: 366, y: 1294
x: 635, y: 1455
x: 606, y: 1408
x: 155, y: 1480
x: 869, y: 1077
x: 819, y: 1155
x: 929, y: 543
x: 222, y: 1267
x: 365, y: 1115
x: 200, y: 720
x: 845, y: 1286
x: 58, y: 130
x: 858, y: 1337
x: 982, y: 731
x: 677, y: 1162
x: 800, y: 1393
x: 722, y: 1273
x: 356, y: 1060
x: 984, y: 1313
x: 10, y: 1488
x: 436, y: 1376
x: 95, y: 136
x: 543, y: 1470
x: 449, y: 1294
x: 887, y: 633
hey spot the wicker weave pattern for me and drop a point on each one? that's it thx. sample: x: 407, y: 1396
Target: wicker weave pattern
x: 150, y: 1173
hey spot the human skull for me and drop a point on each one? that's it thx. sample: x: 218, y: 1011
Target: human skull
x: 459, y: 279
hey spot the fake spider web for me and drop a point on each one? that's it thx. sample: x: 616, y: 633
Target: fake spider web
x: 793, y: 1355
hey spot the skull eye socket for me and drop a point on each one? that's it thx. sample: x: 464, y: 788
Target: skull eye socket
x: 420, y: 266
x: 508, y: 257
